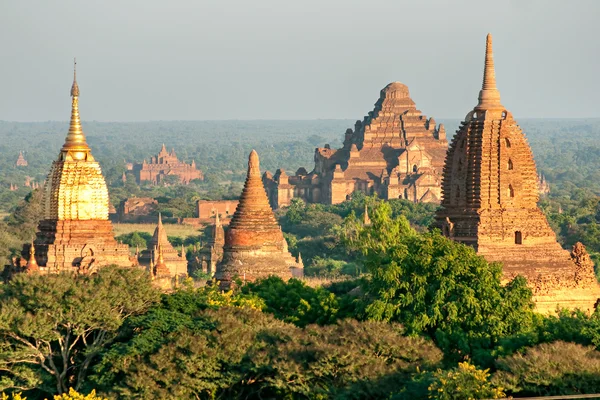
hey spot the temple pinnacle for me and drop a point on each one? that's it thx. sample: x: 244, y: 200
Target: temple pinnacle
x: 75, y: 86
x: 489, y: 96
x: 32, y: 265
x: 75, y: 143
x: 253, y: 164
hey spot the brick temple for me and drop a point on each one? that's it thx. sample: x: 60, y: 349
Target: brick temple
x: 395, y: 152
x: 75, y: 233
x: 254, y: 243
x: 174, y: 262
x: 21, y: 161
x: 166, y: 164
x: 490, y: 193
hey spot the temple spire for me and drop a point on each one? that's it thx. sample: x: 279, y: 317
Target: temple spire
x: 75, y: 142
x: 161, y: 268
x: 366, y: 219
x: 489, y: 96
x: 253, y: 165
x: 32, y: 265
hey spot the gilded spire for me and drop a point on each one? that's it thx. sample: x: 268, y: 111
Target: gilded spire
x: 75, y: 87
x: 32, y: 265
x: 217, y: 221
x: 75, y: 144
x: 489, y: 96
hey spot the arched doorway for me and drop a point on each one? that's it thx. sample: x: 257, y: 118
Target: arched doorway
x: 518, y: 237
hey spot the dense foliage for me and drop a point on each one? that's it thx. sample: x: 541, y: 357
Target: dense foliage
x: 421, y: 317
x: 52, y: 328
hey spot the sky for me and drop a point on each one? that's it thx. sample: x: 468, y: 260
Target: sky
x: 144, y: 60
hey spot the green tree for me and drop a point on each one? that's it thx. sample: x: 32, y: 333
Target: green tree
x: 295, y: 212
x: 244, y: 353
x: 557, y: 368
x: 436, y: 286
x: 293, y: 301
x: 52, y: 327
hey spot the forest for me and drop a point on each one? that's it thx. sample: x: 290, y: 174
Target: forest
x: 391, y: 310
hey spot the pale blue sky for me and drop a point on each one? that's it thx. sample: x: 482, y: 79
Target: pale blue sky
x: 278, y: 59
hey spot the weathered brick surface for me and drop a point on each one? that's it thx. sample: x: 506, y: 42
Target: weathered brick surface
x: 490, y: 191
x: 254, y: 244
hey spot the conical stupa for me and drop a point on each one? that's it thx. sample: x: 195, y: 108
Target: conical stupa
x: 490, y: 194
x: 254, y: 243
x: 75, y: 233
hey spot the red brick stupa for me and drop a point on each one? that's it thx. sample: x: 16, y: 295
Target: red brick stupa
x: 254, y: 244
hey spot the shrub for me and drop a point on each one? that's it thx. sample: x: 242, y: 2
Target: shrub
x: 557, y: 368
x: 465, y: 382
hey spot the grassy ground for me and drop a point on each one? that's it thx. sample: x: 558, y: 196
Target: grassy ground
x: 172, y: 229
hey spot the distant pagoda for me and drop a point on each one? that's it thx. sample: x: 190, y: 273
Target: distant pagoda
x: 176, y: 264
x: 254, y: 243
x: 21, y: 161
x: 394, y: 152
x: 75, y: 233
x: 166, y: 164
x: 490, y: 194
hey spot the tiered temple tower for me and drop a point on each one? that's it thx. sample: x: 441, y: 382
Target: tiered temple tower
x: 490, y: 194
x: 254, y: 243
x: 166, y: 164
x: 21, y: 161
x: 395, y: 152
x: 75, y: 233
x: 176, y: 264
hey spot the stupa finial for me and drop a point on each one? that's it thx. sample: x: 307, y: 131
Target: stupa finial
x: 253, y: 164
x: 489, y: 96
x: 75, y: 143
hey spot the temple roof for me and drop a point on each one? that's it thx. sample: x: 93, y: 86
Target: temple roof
x: 253, y: 211
x: 159, y: 238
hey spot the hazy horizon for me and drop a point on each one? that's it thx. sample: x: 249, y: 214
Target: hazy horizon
x: 145, y: 61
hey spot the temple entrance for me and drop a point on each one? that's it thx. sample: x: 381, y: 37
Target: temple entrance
x: 518, y: 237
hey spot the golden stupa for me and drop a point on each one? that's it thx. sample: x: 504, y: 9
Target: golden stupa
x: 75, y: 233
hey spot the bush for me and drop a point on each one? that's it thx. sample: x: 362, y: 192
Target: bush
x: 465, y: 382
x: 557, y: 368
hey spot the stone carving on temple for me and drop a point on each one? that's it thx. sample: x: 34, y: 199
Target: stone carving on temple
x: 489, y: 201
x: 21, y: 161
x: 163, y: 165
x: 394, y: 152
x: 254, y: 243
x: 74, y: 233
